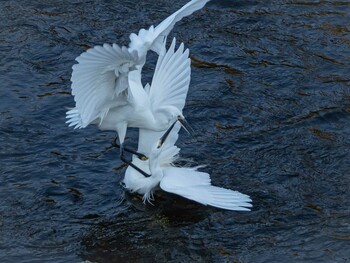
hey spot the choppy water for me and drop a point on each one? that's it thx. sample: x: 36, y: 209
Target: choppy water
x: 269, y: 99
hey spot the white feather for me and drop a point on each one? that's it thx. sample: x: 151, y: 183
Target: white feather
x: 171, y: 79
x: 106, y: 82
x: 169, y: 87
x: 184, y: 181
x: 196, y: 186
x: 153, y: 37
x: 99, y: 78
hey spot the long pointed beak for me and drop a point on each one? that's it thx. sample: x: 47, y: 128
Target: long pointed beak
x: 165, y: 135
x: 185, y: 125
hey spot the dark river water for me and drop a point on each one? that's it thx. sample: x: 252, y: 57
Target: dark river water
x: 269, y: 101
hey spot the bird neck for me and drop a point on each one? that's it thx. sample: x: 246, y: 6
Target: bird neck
x: 154, y: 166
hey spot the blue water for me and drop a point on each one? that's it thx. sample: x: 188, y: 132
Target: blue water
x: 269, y: 100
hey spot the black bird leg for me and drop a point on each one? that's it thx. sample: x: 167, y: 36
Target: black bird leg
x: 122, y: 157
x: 140, y: 155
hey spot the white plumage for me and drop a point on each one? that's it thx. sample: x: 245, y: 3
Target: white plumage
x: 106, y: 82
x: 154, y: 107
x: 186, y: 182
x: 107, y: 89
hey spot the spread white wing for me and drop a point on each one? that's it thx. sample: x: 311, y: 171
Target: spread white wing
x: 99, y: 80
x: 171, y: 78
x: 101, y: 74
x: 153, y: 37
x: 196, y: 186
x: 169, y: 87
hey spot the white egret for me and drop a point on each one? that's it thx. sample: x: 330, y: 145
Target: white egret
x: 107, y: 88
x: 184, y: 181
x: 157, y: 105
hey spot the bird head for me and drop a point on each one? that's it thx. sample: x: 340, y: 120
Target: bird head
x: 167, y: 115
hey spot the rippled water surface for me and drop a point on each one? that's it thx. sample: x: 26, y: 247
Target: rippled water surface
x: 270, y: 103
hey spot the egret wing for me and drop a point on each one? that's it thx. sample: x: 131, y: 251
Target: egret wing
x: 153, y: 37
x: 99, y: 78
x: 74, y: 119
x: 196, y: 186
x: 171, y: 78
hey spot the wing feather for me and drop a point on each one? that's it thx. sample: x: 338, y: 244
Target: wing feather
x: 97, y: 79
x: 196, y: 186
x: 153, y: 37
x: 74, y: 119
x: 171, y: 78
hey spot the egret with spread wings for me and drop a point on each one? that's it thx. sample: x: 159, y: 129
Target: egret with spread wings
x: 154, y: 107
x: 107, y: 88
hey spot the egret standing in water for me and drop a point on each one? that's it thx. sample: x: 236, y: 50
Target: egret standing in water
x: 184, y: 181
x: 107, y: 88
